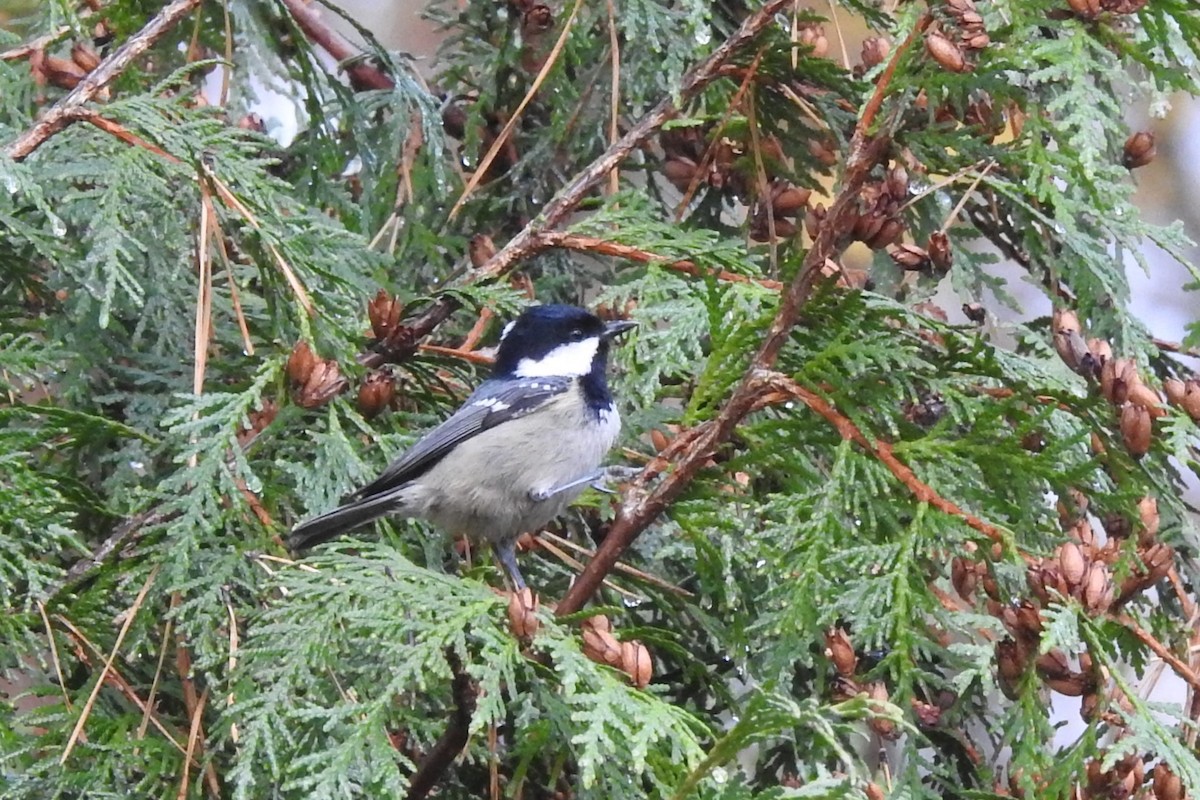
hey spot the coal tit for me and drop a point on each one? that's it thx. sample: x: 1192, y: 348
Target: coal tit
x: 519, y: 450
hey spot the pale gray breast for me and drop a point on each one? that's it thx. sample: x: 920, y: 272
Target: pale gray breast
x: 484, y: 484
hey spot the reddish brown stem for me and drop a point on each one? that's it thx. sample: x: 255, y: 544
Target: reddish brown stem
x: 361, y: 74
x: 453, y: 739
x: 883, y: 451
x: 66, y: 110
x: 1161, y: 650
x: 589, y: 244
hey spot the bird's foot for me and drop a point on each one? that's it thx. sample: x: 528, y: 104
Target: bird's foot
x: 617, y: 473
x: 506, y: 552
x: 598, y: 480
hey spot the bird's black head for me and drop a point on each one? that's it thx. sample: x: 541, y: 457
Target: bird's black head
x: 557, y: 341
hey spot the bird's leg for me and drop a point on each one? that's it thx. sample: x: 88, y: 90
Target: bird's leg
x: 597, y: 480
x: 506, y: 551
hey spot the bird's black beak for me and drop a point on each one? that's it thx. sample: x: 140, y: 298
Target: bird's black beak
x: 617, y: 327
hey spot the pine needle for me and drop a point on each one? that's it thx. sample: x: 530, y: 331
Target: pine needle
x: 130, y: 614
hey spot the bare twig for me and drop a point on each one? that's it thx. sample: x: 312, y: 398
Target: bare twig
x: 1161, y: 650
x: 120, y: 131
x: 589, y: 244
x: 63, y: 113
x: 194, y: 704
x: 360, y: 74
x: 148, y: 711
x: 40, y: 43
x: 710, y: 153
x: 118, y: 682
x: 62, y: 683
x: 546, y: 537
x: 1175, y: 347
x: 231, y: 200
x: 452, y: 352
x: 192, y: 744
x: 614, y: 114
x: 883, y: 451
x: 453, y: 739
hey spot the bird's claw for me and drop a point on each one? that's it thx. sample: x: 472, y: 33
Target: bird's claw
x: 598, y: 480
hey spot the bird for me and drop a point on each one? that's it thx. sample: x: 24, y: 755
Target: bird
x: 525, y: 444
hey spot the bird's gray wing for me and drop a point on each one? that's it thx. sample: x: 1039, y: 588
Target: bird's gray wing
x: 492, y: 404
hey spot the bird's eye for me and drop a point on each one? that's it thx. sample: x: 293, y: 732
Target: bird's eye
x: 576, y: 335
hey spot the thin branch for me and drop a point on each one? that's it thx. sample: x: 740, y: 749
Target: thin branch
x: 692, y: 449
x: 120, y: 131
x: 40, y: 43
x: 710, y: 153
x: 1161, y: 650
x: 546, y: 537
x: 64, y: 112
x: 883, y: 451
x: 192, y: 743
x: 453, y: 739
x: 614, y: 113
x: 118, y: 682
x: 62, y: 683
x: 1176, y: 348
x: 193, y: 702
x: 361, y: 74
x: 589, y: 244
x: 123, y: 534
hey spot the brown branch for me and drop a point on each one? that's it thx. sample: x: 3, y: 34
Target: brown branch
x: 121, y: 132
x: 589, y: 244
x: 66, y: 110
x: 883, y: 451
x: 361, y: 74
x: 710, y: 152
x: 453, y: 739
x: 528, y: 242
x: 1161, y: 650
x: 453, y: 352
x: 1175, y: 347
x: 40, y: 43
x: 194, y: 702
x: 692, y: 449
x: 122, y: 534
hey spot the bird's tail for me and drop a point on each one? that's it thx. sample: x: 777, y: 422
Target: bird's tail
x: 313, y: 532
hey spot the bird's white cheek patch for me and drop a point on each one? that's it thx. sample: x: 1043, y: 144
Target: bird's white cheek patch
x: 574, y: 359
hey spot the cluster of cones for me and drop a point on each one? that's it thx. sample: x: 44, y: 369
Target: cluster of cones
x: 1082, y: 568
x: 1136, y: 403
x: 314, y: 381
x: 959, y: 37
x: 599, y: 643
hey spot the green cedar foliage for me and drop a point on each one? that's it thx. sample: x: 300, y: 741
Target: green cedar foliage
x: 335, y: 676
